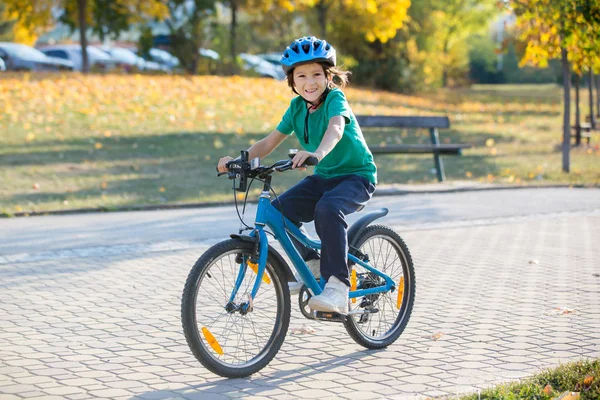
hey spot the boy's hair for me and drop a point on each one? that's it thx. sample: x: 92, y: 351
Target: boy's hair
x: 336, y: 73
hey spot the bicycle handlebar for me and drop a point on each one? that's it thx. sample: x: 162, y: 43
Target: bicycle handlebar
x: 243, y: 169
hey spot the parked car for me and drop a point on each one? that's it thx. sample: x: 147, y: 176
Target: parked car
x: 97, y: 59
x: 2, y: 65
x: 273, y: 58
x: 19, y: 57
x: 152, y: 66
x: 161, y: 58
x: 62, y: 64
x: 130, y: 61
x: 261, y: 67
x: 208, y: 53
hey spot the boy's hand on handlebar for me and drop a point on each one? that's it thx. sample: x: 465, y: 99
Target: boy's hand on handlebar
x: 300, y: 158
x: 222, y: 162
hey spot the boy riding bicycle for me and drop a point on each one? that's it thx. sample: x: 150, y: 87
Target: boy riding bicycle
x: 345, y: 178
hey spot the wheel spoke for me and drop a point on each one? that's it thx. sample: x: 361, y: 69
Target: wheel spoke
x: 387, y: 253
x: 247, y: 338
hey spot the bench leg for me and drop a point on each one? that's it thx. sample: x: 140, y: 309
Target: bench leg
x: 439, y: 164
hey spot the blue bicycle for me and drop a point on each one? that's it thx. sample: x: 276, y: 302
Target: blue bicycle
x: 235, y: 307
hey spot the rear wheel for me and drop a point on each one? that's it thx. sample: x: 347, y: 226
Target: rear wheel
x: 388, y: 313
x: 238, y: 338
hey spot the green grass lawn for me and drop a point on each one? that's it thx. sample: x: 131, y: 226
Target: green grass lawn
x: 74, y: 141
x: 581, y: 377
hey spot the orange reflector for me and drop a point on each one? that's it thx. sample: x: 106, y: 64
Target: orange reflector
x: 400, y: 292
x: 212, y: 341
x: 254, y: 268
x: 353, y: 283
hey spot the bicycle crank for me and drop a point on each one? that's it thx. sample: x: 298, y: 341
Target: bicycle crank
x: 305, y: 295
x: 335, y: 317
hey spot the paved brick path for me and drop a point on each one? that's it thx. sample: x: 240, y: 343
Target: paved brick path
x: 495, y: 301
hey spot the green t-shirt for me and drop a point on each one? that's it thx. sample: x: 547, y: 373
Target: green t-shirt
x: 350, y: 155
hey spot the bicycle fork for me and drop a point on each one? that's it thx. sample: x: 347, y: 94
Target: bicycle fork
x: 257, y: 262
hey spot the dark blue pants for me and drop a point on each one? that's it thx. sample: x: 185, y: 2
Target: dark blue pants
x: 327, y: 202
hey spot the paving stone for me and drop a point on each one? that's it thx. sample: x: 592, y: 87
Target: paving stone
x: 79, y: 396
x: 63, y: 390
x: 109, y: 393
x: 360, y: 395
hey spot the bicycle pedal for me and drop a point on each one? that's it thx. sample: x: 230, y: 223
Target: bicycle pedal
x: 329, y: 316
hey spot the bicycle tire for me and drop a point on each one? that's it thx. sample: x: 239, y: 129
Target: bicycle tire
x: 210, y: 330
x: 399, y: 266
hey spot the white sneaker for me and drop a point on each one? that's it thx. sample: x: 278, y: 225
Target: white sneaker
x: 334, y: 297
x: 315, y: 269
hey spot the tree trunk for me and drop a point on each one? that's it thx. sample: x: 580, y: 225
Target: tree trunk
x: 566, y: 144
x: 591, y: 98
x: 82, y: 5
x: 322, y: 14
x: 193, y: 66
x: 446, y: 51
x: 577, y: 113
x: 445, y: 65
x: 598, y: 96
x: 234, y: 5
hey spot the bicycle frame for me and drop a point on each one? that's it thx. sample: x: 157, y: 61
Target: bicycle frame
x: 268, y: 215
x: 240, y: 326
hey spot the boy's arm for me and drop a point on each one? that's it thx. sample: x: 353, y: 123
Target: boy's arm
x: 333, y: 134
x: 260, y: 149
x: 265, y: 146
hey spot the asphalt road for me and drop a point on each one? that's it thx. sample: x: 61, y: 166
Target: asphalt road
x: 410, y: 211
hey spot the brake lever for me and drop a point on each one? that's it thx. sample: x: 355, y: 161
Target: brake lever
x: 284, y: 167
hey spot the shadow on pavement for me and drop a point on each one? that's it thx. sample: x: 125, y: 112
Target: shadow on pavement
x: 254, y: 386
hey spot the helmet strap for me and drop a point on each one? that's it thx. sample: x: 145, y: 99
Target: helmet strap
x: 313, y: 106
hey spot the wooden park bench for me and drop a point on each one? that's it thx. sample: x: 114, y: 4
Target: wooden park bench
x: 427, y: 122
x: 583, y: 131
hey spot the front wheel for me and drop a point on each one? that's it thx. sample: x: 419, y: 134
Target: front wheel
x: 240, y: 337
x: 385, y: 314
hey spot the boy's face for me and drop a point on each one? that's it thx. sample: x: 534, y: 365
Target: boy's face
x: 310, y: 81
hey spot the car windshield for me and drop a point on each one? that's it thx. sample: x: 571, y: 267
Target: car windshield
x: 24, y: 52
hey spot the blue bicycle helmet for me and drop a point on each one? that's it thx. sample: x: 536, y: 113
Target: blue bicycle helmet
x: 306, y: 50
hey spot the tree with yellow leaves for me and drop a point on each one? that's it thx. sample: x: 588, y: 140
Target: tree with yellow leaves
x: 370, y: 20
x: 27, y: 19
x: 373, y: 20
x: 439, y: 30
x: 565, y: 29
x: 277, y: 18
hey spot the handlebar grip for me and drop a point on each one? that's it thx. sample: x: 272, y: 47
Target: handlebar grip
x: 227, y: 165
x: 311, y: 161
